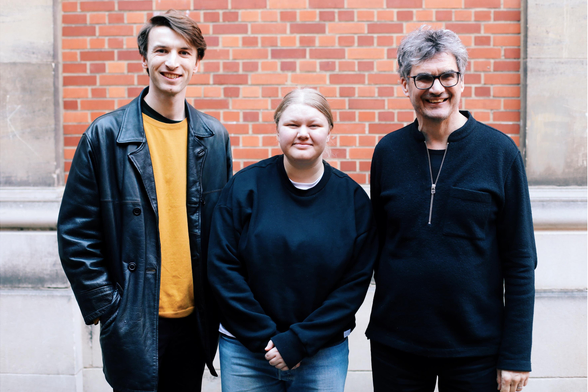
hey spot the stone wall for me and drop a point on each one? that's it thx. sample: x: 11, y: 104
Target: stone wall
x: 44, y: 345
x: 555, y: 92
x: 31, y: 145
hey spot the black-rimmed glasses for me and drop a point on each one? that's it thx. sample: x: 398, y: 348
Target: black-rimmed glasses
x: 424, y: 81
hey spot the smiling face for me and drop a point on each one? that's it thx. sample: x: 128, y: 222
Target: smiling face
x: 303, y: 133
x: 170, y: 61
x: 437, y: 104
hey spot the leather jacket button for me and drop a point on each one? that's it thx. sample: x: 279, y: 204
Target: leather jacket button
x: 136, y: 211
x: 132, y: 266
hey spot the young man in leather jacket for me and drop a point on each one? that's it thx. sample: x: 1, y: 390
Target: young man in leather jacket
x: 135, y: 216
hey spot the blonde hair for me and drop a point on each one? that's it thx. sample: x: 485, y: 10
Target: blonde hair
x: 305, y: 96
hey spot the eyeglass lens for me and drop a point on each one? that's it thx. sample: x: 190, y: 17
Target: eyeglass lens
x: 447, y: 79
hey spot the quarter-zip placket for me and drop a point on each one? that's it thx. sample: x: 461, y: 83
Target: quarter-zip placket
x: 434, y: 183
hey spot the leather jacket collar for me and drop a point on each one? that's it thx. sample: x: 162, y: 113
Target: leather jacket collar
x: 131, y: 130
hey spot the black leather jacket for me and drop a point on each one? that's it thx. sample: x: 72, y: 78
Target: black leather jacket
x: 109, y: 244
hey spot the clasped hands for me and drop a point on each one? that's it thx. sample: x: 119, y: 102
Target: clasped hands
x: 274, y: 357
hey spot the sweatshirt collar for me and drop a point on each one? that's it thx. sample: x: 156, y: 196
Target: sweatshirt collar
x: 456, y: 135
x: 301, y: 192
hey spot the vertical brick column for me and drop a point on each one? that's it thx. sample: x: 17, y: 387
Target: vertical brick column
x: 258, y: 50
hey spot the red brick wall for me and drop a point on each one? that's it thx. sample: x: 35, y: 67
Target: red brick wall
x: 258, y: 50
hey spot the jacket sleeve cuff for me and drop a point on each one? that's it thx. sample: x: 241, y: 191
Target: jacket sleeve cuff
x: 290, y: 347
x: 514, y: 365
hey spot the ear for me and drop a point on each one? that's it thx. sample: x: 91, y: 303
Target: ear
x: 462, y: 84
x: 404, y: 84
x: 144, y: 62
x: 196, y: 66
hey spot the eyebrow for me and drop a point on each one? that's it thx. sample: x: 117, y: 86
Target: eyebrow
x: 441, y: 73
x: 158, y: 46
x: 297, y: 119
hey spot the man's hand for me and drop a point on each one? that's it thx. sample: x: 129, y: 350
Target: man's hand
x: 511, y: 381
x: 274, y: 357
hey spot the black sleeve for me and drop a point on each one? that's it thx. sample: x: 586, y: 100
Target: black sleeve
x: 226, y: 273
x: 375, y: 196
x: 79, y: 236
x: 518, y: 258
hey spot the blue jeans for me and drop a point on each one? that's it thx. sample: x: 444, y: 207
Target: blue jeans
x: 242, y: 370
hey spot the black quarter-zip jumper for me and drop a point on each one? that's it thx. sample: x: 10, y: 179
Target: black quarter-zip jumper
x: 439, y: 285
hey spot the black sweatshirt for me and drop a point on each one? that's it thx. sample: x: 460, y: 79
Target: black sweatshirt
x: 439, y: 286
x: 289, y: 265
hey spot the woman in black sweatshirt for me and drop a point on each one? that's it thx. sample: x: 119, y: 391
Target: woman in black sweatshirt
x: 291, y: 253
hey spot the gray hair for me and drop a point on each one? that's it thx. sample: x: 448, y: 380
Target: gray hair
x: 424, y: 43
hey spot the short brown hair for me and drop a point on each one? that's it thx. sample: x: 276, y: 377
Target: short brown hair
x: 305, y: 96
x: 179, y: 23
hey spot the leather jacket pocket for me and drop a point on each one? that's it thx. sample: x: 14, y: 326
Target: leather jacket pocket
x: 108, y: 317
x: 467, y: 214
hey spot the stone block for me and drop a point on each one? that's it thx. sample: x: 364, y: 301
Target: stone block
x: 211, y: 383
x: 42, y: 268
x: 559, y: 208
x: 91, y: 351
x: 26, y: 31
x: 94, y: 381
x: 556, y: 29
x: 559, y: 335
x: 39, y: 333
x: 359, y: 381
x: 556, y: 122
x: 28, y: 149
x: 41, y: 383
x: 30, y: 208
x: 561, y: 260
x: 556, y: 385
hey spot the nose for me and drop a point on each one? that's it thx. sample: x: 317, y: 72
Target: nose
x: 302, y: 132
x: 436, y: 88
x: 172, y: 60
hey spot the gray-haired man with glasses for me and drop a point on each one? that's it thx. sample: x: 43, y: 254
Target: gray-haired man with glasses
x: 455, y: 277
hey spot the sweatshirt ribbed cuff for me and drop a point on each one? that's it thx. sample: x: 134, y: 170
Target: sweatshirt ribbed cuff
x: 514, y: 365
x: 290, y: 348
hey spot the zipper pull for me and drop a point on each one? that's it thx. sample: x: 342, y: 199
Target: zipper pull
x: 433, y: 186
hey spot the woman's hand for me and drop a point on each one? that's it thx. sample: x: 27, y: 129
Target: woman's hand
x: 274, y: 357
